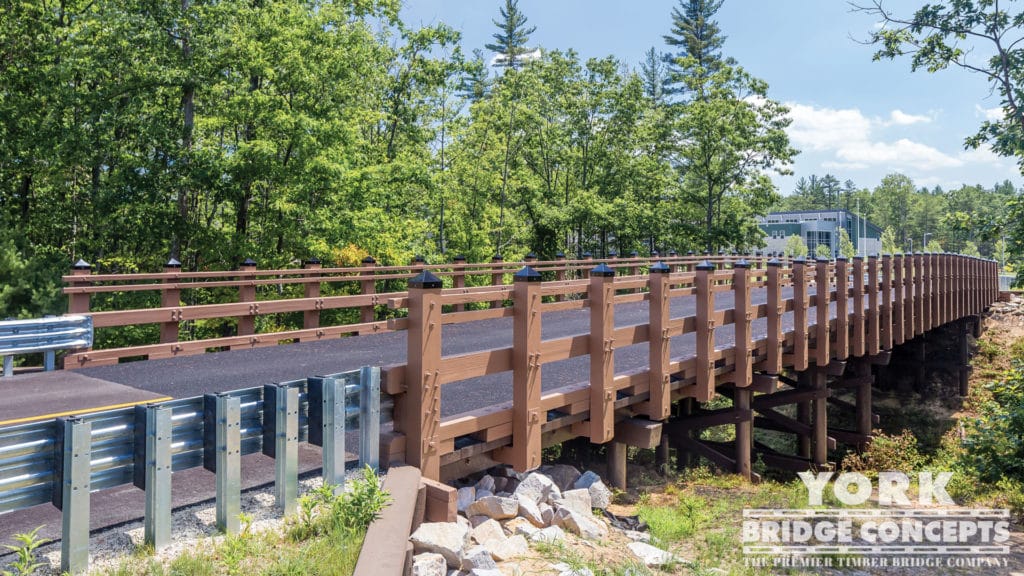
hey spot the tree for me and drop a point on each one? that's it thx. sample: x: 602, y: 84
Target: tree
x: 698, y: 42
x: 933, y: 246
x: 971, y: 249
x: 979, y: 36
x: 892, y: 200
x: 653, y: 71
x: 889, y: 244
x: 823, y: 251
x: 512, y: 35
x: 846, y: 247
x: 795, y: 246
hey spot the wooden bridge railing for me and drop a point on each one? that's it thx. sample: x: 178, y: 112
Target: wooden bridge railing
x: 877, y: 303
x: 247, y: 282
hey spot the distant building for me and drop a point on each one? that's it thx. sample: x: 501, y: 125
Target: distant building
x: 820, y: 227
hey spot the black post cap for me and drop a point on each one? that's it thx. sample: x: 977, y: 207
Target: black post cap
x: 172, y: 263
x: 419, y: 259
x: 248, y: 262
x: 313, y: 261
x: 531, y: 256
x: 497, y: 257
x: 526, y: 274
x: 588, y: 255
x: 425, y: 280
x: 654, y: 253
x: 369, y: 260
x: 705, y: 265
x: 858, y: 257
x: 741, y: 263
x: 459, y: 258
x: 634, y: 254
x: 602, y: 270
x: 689, y: 253
x: 841, y: 257
x: 559, y: 254
x: 799, y: 260
x: 721, y: 252
x: 775, y: 262
x: 659, y: 268
x: 822, y: 259
x: 613, y: 254
x: 673, y: 253
x: 81, y: 265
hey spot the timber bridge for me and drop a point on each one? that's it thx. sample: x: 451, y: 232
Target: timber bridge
x: 490, y: 363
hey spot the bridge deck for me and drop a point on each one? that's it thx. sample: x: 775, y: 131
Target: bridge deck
x: 195, y: 375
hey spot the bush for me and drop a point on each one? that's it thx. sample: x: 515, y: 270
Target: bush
x: 887, y: 453
x: 994, y: 440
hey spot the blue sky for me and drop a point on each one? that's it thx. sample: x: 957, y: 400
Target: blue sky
x: 852, y: 117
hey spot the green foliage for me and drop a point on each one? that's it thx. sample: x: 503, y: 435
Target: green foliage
x: 846, y: 247
x: 822, y: 251
x: 994, y: 440
x: 510, y: 41
x: 795, y: 246
x: 933, y: 246
x: 887, y: 452
x: 889, y: 245
x: 970, y: 249
x: 25, y: 562
x: 329, y: 509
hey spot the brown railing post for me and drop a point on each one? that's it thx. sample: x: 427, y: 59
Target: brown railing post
x: 561, y: 270
x: 170, y: 298
x: 634, y: 269
x: 368, y: 287
x: 908, y: 297
x: 421, y: 406
x: 311, y: 318
x: 247, y: 293
x: 931, y: 289
x: 79, y: 303
x: 898, y: 320
x: 842, y: 308
x: 800, y: 308
x: 742, y: 318
x: 859, y: 334
x: 459, y: 277
x: 660, y: 345
x: 823, y: 293
x: 880, y: 333
x: 602, y: 354
x: 940, y: 297
x: 775, y: 314
x: 530, y: 258
x: 705, y: 362
x: 919, y: 284
x: 527, y: 415
x: 497, y: 278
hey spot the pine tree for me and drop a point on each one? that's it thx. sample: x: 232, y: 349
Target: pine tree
x: 698, y: 41
x: 653, y: 72
x: 510, y: 41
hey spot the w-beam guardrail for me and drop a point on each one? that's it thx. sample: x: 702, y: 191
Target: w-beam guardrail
x: 46, y: 335
x: 61, y: 461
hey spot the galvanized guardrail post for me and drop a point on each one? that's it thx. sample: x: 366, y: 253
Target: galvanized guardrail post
x: 281, y: 441
x: 327, y: 425
x: 158, y: 476
x: 223, y: 455
x: 369, y: 417
x: 75, y: 483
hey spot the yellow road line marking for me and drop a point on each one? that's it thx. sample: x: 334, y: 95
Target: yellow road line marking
x: 81, y: 411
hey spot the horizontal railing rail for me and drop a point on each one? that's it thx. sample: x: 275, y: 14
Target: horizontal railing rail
x: 374, y: 284
x: 143, y: 445
x: 47, y: 335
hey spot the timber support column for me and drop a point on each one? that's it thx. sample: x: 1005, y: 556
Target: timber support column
x: 170, y: 298
x: 617, y: 464
x: 743, y: 376
x: 247, y: 293
x: 659, y: 348
x: 602, y: 354
x: 421, y: 406
x: 803, y: 414
x: 822, y: 296
x: 744, y: 431
x: 459, y: 277
x: 820, y: 415
x: 964, y: 352
x: 800, y: 308
x: 368, y: 287
x: 527, y: 415
x: 862, y: 371
x: 561, y: 270
x: 311, y: 318
x: 776, y: 340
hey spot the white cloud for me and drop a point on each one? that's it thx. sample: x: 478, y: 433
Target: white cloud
x: 983, y: 155
x: 850, y: 137
x: 900, y: 118
x: 990, y: 114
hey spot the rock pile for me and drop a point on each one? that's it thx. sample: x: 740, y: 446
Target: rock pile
x: 504, y: 511
x: 1011, y: 312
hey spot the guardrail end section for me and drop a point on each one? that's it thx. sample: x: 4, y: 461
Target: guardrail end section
x: 75, y: 445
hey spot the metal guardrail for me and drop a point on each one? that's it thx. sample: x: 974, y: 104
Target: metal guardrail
x: 62, y: 460
x: 46, y: 335
x: 1006, y: 282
